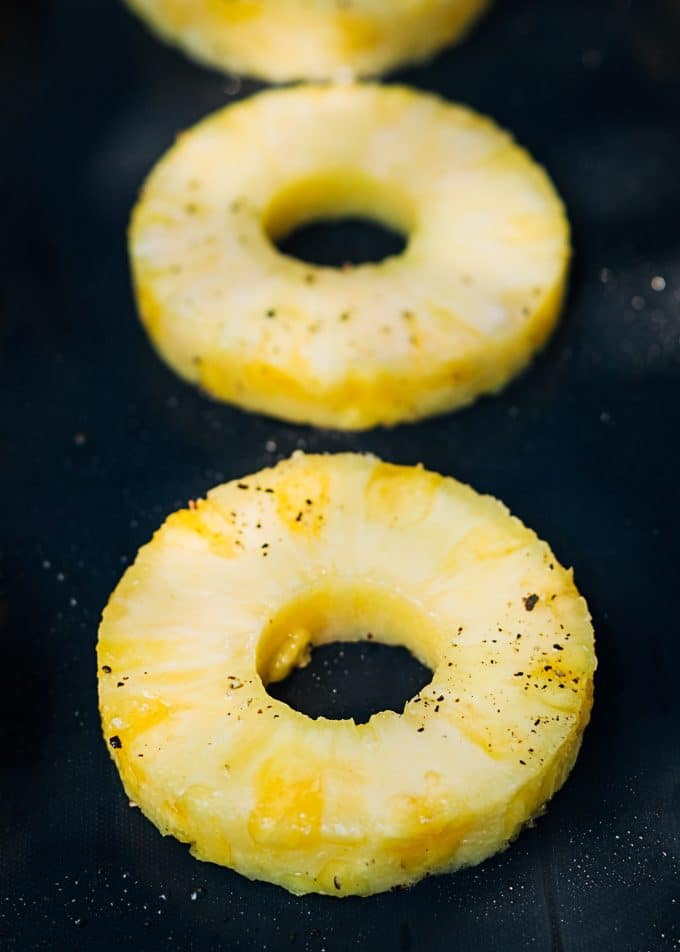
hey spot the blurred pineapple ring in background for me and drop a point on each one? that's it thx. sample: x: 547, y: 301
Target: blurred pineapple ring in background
x: 282, y: 40
x: 230, y: 594
x: 458, y: 313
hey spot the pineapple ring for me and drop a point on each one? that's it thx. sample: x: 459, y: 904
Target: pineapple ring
x: 230, y: 594
x: 282, y: 40
x: 475, y: 293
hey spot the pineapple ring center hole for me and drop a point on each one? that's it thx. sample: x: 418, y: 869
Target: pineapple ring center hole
x: 347, y: 651
x: 339, y: 220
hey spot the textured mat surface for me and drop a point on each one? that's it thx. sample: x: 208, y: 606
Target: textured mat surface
x: 99, y: 441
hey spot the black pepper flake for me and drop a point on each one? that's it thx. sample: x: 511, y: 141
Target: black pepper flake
x: 270, y: 312
x: 420, y: 730
x: 121, y: 684
x: 441, y: 697
x: 519, y: 674
x: 242, y: 486
x: 530, y: 602
x: 298, y: 518
x: 558, y: 647
x: 115, y: 742
x: 337, y: 883
x: 106, y: 669
x: 523, y: 762
x: 269, y: 490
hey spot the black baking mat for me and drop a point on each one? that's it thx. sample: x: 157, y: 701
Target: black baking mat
x: 99, y: 441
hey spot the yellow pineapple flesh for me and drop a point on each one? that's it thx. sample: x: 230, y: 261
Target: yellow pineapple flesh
x: 473, y: 296
x: 235, y: 590
x: 281, y: 40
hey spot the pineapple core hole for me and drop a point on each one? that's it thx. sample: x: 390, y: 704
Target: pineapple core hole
x: 353, y: 680
x: 338, y: 220
x: 374, y: 651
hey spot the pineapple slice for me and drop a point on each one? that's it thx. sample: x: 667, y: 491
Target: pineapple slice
x: 232, y: 592
x: 475, y: 293
x: 281, y: 40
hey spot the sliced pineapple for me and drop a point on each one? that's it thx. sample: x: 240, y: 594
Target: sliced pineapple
x: 281, y: 40
x: 475, y: 293
x: 233, y: 591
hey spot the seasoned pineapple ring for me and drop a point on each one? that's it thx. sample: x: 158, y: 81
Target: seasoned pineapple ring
x: 297, y: 39
x: 476, y: 291
x: 231, y: 593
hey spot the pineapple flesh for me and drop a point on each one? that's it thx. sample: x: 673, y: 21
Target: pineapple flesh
x: 234, y: 591
x: 281, y: 40
x: 457, y: 314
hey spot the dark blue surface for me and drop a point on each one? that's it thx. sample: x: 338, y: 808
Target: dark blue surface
x: 99, y: 441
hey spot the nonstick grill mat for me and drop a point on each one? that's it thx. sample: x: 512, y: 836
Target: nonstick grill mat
x: 100, y: 441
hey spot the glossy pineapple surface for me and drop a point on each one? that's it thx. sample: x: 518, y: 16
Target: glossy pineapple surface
x: 234, y: 591
x: 473, y: 296
x: 283, y: 40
